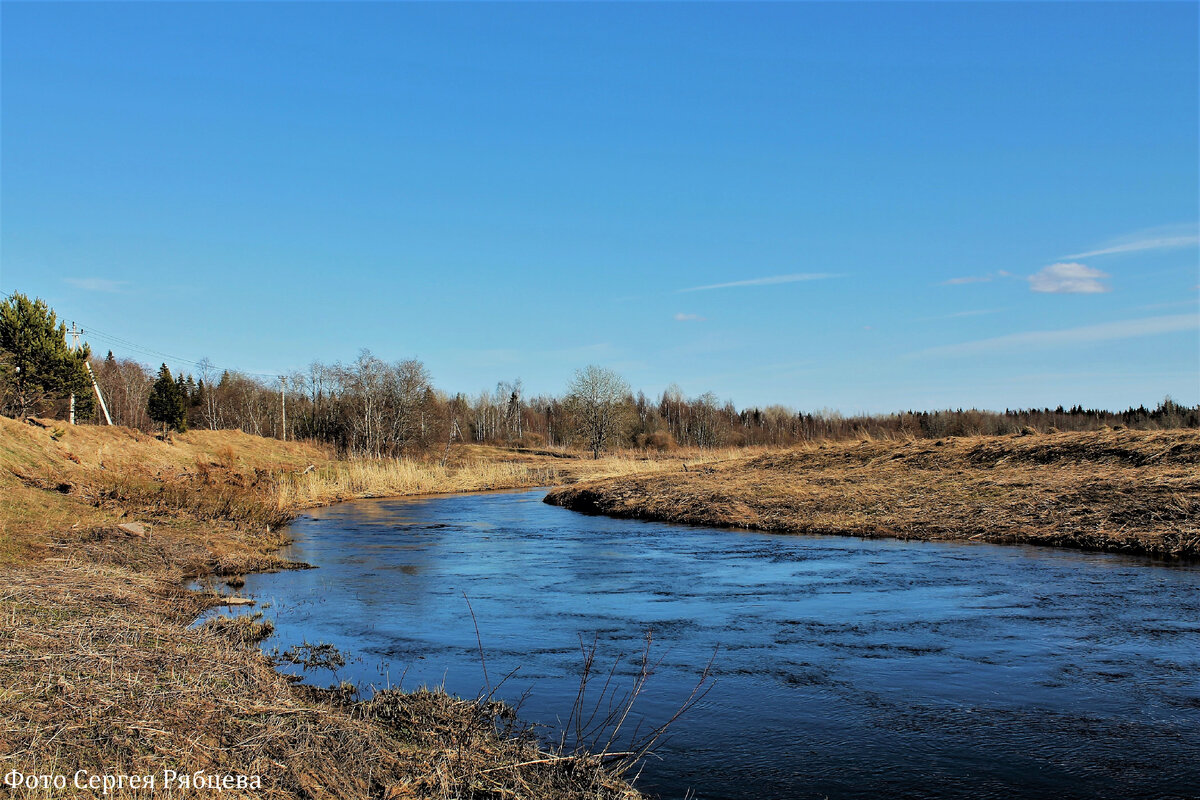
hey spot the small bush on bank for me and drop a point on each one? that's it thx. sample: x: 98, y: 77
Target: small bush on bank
x: 659, y: 440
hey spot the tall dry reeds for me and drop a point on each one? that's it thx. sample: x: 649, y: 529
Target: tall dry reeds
x: 481, y: 469
x: 344, y: 480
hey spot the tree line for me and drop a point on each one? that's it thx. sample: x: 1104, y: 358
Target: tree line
x: 376, y: 408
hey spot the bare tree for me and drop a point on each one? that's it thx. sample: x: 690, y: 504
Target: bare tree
x: 510, y: 395
x: 598, y: 398
x: 706, y: 420
x: 208, y: 374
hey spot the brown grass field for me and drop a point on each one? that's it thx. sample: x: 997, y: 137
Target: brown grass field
x: 1127, y: 491
x: 99, y: 669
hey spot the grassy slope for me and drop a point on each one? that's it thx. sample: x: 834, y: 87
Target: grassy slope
x: 100, y: 671
x: 1129, y: 491
x: 65, y: 485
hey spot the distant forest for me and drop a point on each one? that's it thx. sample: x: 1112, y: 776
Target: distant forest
x: 370, y: 407
x: 374, y: 408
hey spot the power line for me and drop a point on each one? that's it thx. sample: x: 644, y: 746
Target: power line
x: 122, y: 342
x: 113, y: 338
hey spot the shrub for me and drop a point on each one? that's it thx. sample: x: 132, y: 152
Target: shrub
x: 531, y: 440
x: 659, y: 440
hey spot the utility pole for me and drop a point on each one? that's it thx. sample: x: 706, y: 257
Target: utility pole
x: 74, y: 333
x: 283, y: 402
x: 99, y: 396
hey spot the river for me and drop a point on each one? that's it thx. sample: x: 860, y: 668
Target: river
x: 844, y: 668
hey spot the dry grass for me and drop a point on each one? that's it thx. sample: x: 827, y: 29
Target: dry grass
x: 61, y: 484
x: 391, y: 478
x: 100, y: 671
x: 473, y: 468
x: 1128, y: 491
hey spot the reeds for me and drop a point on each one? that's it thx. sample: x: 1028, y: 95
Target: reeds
x: 475, y: 469
x: 395, y: 477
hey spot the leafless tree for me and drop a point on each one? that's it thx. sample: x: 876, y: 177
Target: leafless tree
x: 209, y: 408
x: 598, y: 399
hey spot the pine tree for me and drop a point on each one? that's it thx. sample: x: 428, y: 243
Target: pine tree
x: 186, y: 388
x: 200, y: 396
x: 36, y: 365
x: 168, y: 402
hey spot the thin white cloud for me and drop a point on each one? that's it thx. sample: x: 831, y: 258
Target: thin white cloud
x: 681, y: 317
x: 991, y: 276
x: 1154, y: 239
x: 1068, y: 278
x: 1178, y: 304
x: 96, y: 284
x: 1088, y: 334
x: 769, y: 281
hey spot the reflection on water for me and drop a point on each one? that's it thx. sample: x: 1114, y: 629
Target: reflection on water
x: 846, y: 669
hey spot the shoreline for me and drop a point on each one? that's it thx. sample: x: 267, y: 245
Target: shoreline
x: 106, y: 672
x: 1136, y: 493
x: 1141, y: 555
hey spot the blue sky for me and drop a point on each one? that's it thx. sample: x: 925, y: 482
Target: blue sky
x: 857, y: 206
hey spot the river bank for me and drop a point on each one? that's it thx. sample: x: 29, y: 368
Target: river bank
x: 845, y: 668
x: 1122, y: 491
x: 99, y: 530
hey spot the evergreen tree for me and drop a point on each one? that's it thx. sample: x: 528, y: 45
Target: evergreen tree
x: 36, y: 365
x: 168, y: 401
x: 187, y: 391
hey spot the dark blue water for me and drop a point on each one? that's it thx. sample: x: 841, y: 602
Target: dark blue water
x: 846, y: 668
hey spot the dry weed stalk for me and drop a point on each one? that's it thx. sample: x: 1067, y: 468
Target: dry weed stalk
x: 597, y: 725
